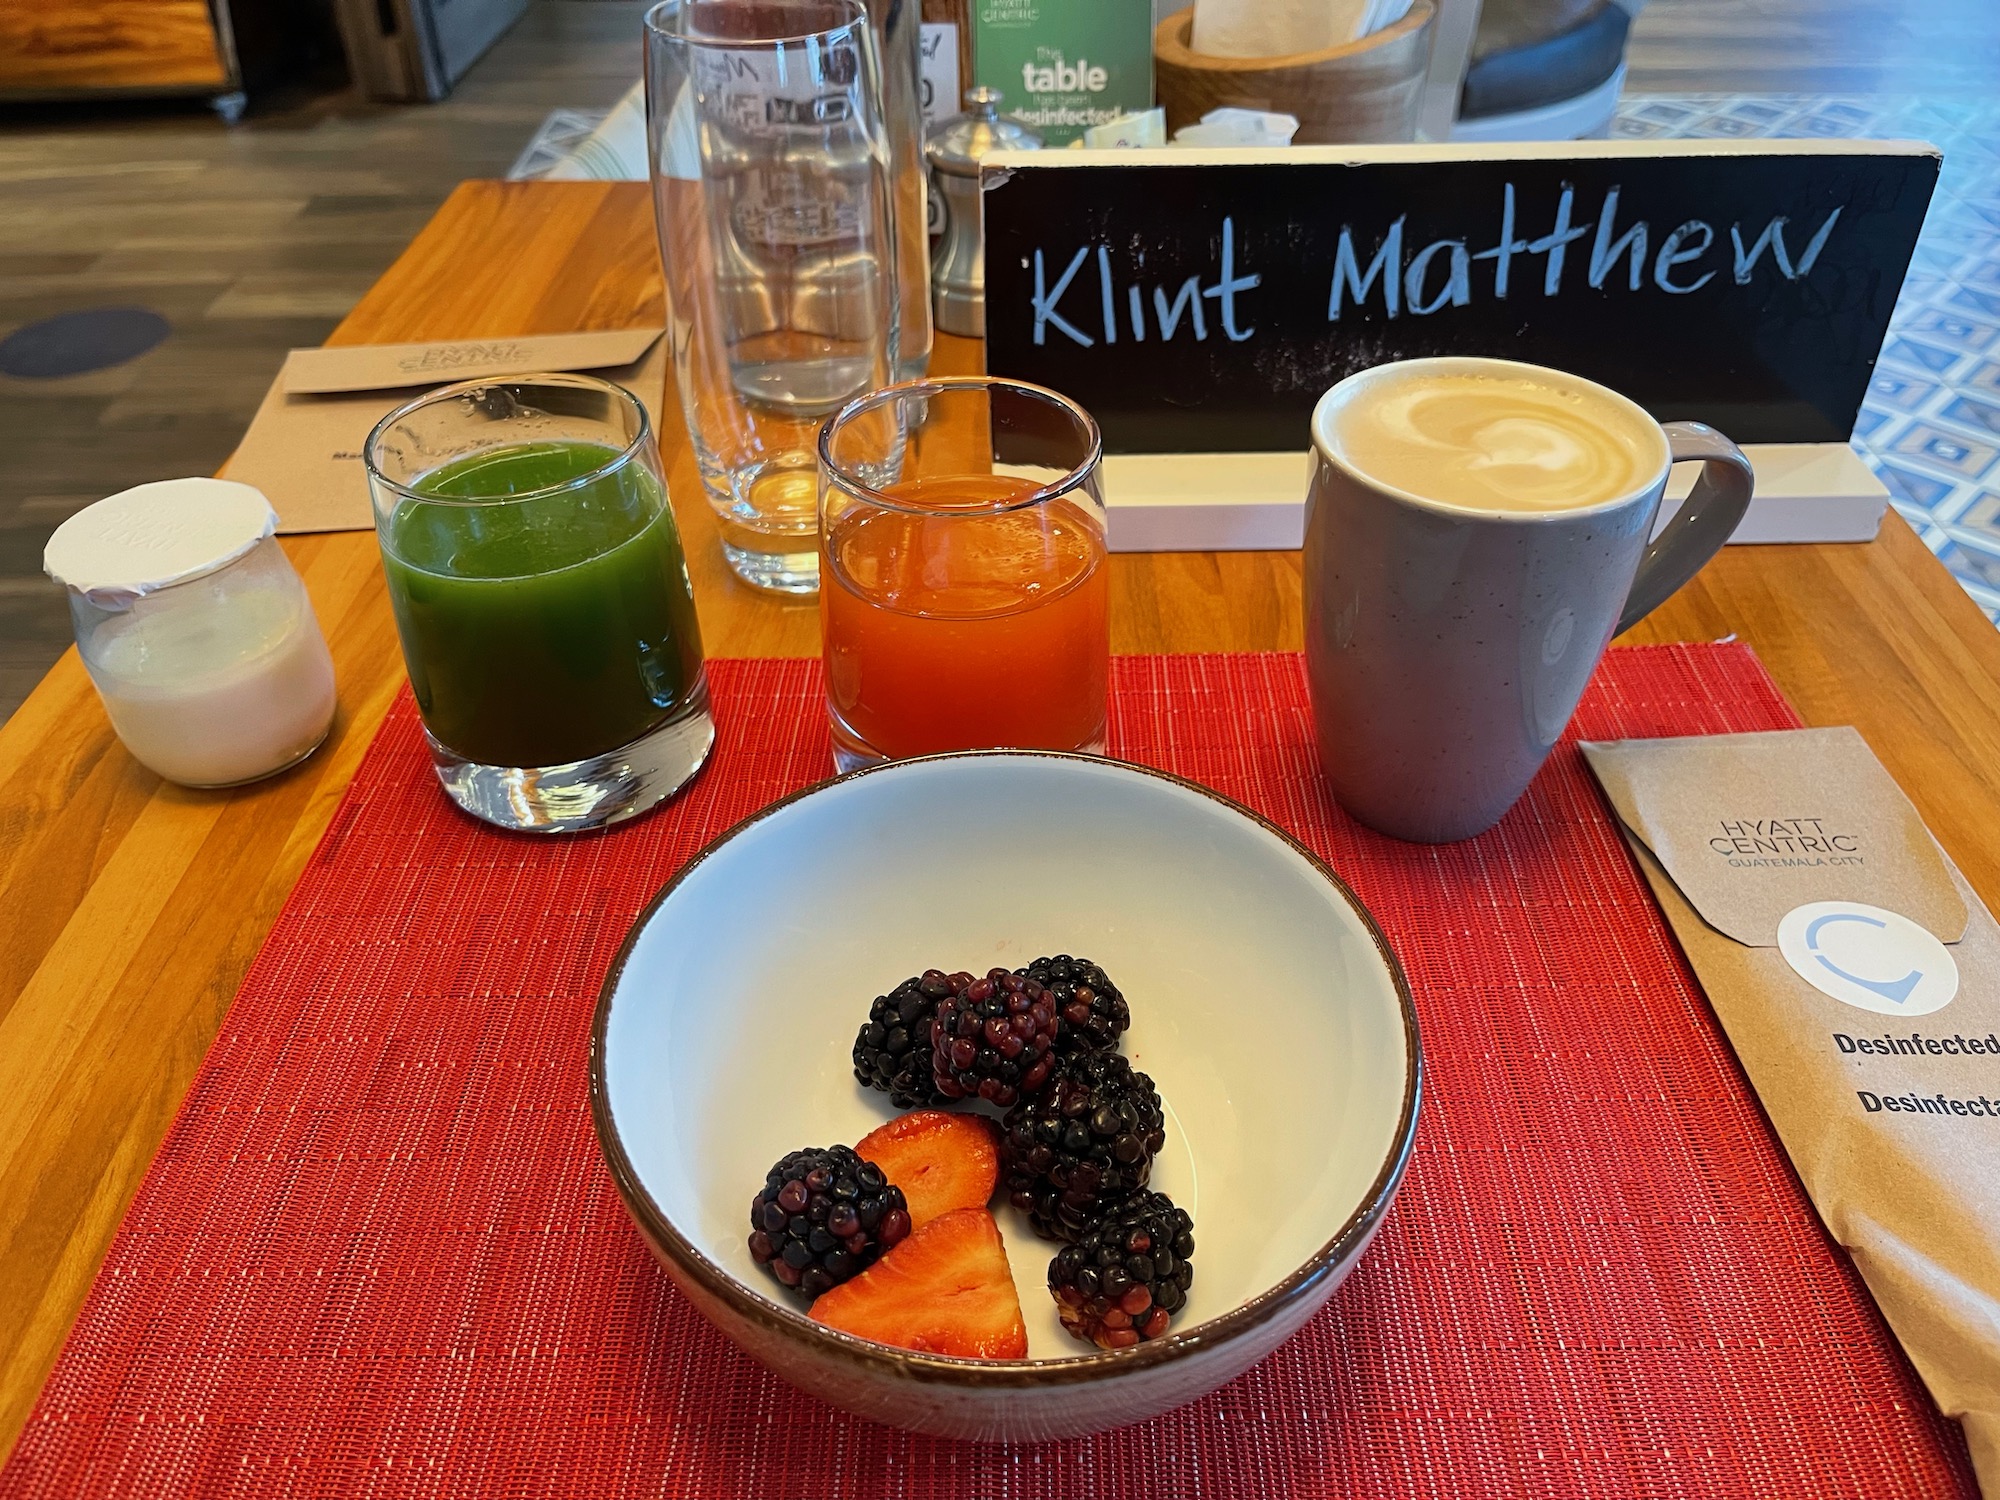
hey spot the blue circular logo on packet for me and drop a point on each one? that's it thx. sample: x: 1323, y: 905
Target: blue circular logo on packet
x: 1868, y: 957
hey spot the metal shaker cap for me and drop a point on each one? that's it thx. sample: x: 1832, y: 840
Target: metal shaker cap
x: 956, y: 145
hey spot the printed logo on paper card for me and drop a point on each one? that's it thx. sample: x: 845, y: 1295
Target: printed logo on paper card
x: 1869, y: 958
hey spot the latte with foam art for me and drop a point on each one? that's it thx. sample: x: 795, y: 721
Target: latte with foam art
x: 1491, y: 443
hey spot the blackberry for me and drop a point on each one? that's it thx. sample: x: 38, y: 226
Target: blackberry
x: 993, y: 1039
x: 1128, y: 1275
x: 893, y: 1051
x: 824, y: 1215
x: 1087, y: 1140
x: 1090, y: 1012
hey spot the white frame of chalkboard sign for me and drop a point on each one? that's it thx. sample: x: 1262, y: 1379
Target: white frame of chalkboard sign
x: 1167, y: 502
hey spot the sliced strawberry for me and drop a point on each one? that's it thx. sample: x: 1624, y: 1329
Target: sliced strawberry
x: 944, y: 1290
x: 940, y: 1160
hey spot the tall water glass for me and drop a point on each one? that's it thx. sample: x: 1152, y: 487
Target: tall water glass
x: 542, y: 599
x: 898, y: 28
x: 965, y: 598
x: 774, y: 192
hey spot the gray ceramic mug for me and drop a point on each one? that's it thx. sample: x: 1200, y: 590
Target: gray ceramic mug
x: 1447, y: 647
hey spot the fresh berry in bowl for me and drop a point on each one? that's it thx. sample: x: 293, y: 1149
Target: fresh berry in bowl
x: 940, y: 1160
x: 1087, y: 1140
x: 947, y: 1289
x: 993, y: 1039
x: 1091, y: 1014
x: 892, y: 1052
x: 1128, y: 1273
x: 824, y: 1216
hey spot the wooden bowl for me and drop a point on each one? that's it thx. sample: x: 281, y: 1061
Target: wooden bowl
x: 1360, y: 91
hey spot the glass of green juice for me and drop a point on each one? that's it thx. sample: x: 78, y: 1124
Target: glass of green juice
x: 542, y: 598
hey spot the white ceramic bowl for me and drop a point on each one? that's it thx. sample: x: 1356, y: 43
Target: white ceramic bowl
x: 1265, y: 1004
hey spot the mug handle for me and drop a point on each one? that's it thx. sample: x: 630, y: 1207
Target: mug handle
x: 1702, y: 524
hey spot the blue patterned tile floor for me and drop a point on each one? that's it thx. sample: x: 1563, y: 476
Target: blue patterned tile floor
x: 1930, y: 424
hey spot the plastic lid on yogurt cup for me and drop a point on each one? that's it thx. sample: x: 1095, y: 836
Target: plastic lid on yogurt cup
x: 153, y: 536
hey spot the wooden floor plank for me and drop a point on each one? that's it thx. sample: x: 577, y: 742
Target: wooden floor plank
x: 250, y: 240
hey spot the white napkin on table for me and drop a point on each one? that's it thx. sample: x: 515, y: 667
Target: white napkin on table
x: 1278, y: 28
x: 1239, y: 127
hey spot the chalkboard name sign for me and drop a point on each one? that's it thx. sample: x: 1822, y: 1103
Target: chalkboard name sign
x: 1202, y: 301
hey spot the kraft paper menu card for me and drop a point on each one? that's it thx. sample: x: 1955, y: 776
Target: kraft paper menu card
x: 374, y: 367
x: 303, y: 449
x: 1858, y: 978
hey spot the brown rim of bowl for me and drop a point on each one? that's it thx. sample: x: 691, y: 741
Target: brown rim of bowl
x: 1008, y: 1374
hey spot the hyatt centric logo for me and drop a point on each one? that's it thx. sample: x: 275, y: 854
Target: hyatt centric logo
x: 1869, y: 958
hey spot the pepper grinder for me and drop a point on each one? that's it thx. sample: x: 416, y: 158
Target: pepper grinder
x: 958, y: 269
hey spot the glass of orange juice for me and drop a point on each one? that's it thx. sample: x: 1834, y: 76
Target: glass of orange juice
x: 963, y: 583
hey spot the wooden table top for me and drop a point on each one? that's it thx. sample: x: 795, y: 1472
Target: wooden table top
x: 130, y: 908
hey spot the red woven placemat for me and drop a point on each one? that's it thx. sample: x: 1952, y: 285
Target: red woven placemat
x: 378, y: 1254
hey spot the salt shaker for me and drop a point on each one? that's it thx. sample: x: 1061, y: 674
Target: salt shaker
x: 958, y: 269
x: 195, y: 630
